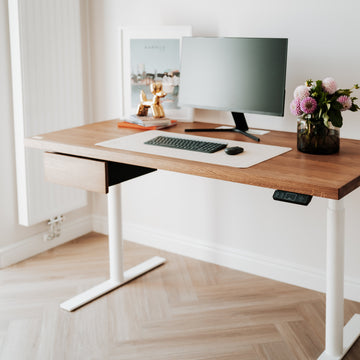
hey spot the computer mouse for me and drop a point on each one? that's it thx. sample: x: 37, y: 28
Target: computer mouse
x: 234, y: 150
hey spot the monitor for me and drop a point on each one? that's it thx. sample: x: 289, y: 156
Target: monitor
x: 241, y: 75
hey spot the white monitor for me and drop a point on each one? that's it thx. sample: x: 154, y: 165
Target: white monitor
x: 241, y: 75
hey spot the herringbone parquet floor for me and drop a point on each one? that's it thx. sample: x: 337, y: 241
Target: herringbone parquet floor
x: 186, y: 309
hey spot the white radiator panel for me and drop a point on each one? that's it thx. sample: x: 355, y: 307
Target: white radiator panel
x: 45, y: 38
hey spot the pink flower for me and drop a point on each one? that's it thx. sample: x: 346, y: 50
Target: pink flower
x: 329, y: 85
x: 345, y: 101
x: 308, y: 105
x: 295, y: 107
x: 301, y: 92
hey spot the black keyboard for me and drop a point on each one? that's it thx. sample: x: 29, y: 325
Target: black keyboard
x: 186, y: 144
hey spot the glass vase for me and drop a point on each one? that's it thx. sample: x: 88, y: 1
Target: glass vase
x: 313, y: 137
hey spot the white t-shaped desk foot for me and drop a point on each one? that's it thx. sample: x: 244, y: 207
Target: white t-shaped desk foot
x: 117, y: 275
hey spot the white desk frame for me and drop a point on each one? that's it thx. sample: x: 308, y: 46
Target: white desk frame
x: 339, y: 339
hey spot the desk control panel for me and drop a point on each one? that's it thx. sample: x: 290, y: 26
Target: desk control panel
x: 291, y: 197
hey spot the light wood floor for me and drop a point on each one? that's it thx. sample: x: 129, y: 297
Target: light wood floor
x: 186, y: 309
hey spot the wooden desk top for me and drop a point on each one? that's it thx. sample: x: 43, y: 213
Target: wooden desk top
x: 328, y: 176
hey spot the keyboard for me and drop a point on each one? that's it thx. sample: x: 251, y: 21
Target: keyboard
x: 186, y: 144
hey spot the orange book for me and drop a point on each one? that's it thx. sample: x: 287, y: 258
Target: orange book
x: 125, y: 124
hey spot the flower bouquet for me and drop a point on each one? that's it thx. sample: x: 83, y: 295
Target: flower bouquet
x: 319, y: 106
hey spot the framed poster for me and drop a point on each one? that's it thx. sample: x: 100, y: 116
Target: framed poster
x: 152, y: 54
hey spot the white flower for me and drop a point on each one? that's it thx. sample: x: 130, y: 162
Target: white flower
x: 301, y: 92
x: 329, y: 85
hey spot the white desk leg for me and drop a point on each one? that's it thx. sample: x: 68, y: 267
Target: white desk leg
x: 117, y: 275
x: 339, y: 339
x: 115, y: 234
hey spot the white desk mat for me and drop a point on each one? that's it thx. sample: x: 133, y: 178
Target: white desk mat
x: 254, y: 153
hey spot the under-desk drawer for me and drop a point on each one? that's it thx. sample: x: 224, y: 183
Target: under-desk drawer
x: 88, y: 174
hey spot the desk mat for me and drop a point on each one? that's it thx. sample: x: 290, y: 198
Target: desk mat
x: 254, y: 153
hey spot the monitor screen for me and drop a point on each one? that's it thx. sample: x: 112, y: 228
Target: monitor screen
x: 245, y: 75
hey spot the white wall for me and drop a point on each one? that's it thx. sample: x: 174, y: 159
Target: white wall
x: 17, y: 241
x: 237, y: 225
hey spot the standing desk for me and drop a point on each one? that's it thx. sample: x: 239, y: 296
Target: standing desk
x: 72, y: 158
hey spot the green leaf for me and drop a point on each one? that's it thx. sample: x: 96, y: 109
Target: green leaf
x: 326, y: 120
x: 335, y: 117
x: 336, y: 105
x: 354, y: 107
x: 318, y: 88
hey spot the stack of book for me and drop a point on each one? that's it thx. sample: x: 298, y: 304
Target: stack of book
x: 146, y: 123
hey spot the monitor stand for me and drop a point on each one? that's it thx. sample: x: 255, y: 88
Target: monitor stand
x: 240, y: 126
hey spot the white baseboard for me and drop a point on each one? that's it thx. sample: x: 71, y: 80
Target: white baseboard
x: 276, y: 269
x: 100, y: 224
x: 34, y: 245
